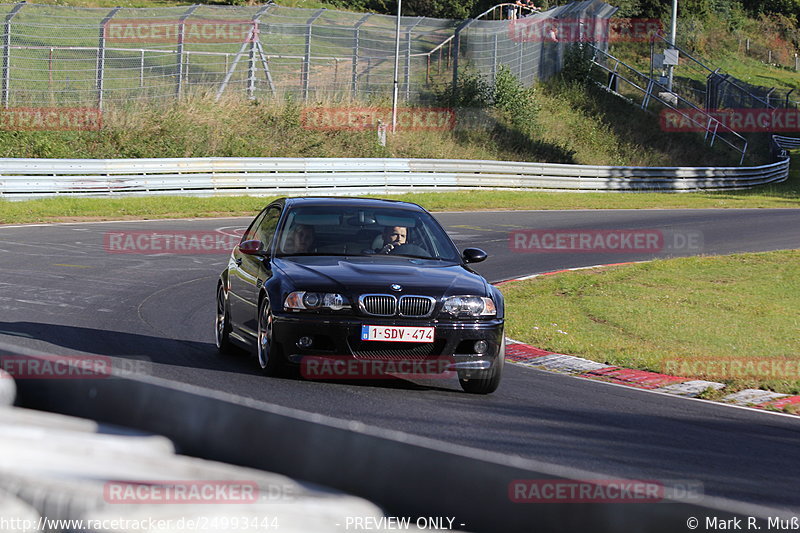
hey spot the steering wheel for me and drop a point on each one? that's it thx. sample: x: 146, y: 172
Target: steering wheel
x: 408, y: 249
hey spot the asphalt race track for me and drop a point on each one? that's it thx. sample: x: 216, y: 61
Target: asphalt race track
x: 61, y: 292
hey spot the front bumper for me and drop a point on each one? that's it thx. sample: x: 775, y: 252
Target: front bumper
x: 340, y: 336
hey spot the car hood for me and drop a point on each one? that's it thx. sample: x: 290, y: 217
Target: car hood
x: 371, y: 274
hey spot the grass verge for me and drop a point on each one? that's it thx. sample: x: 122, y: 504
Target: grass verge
x: 731, y: 319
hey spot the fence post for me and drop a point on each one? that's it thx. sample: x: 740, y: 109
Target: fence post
x: 494, y: 60
x: 408, y: 57
x: 253, y: 35
x: 179, y: 52
x: 7, y: 52
x: 101, y: 56
x: 141, y: 69
x: 251, y: 63
x: 428, y: 70
x: 356, y: 43
x: 305, y: 71
x: 455, y: 52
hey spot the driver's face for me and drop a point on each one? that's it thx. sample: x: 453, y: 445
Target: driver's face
x: 396, y: 234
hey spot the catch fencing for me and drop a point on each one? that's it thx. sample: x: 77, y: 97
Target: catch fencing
x: 72, y: 56
x: 484, y: 45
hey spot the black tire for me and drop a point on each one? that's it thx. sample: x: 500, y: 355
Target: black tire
x: 222, y: 323
x: 486, y: 381
x: 268, y: 354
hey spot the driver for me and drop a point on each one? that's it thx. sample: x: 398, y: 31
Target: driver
x: 301, y: 239
x: 393, y: 236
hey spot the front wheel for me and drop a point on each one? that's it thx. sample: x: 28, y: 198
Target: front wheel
x: 270, y: 360
x: 485, y: 381
x: 222, y: 323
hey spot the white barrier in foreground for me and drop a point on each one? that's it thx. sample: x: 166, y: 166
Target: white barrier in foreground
x: 32, y: 178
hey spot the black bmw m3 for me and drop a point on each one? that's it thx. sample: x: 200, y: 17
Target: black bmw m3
x: 359, y: 279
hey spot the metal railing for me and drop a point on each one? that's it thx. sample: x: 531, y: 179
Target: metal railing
x: 649, y: 89
x: 32, y: 178
x: 718, y: 90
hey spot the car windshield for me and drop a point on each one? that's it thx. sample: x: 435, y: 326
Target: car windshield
x: 347, y: 230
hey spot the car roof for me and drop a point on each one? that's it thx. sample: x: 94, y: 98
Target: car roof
x: 350, y: 202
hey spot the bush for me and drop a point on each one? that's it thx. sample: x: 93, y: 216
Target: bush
x: 577, y: 64
x: 470, y: 90
x: 515, y: 100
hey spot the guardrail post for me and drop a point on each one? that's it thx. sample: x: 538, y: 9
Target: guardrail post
x: 101, y: 56
x: 356, y: 43
x: 305, y: 71
x: 179, y: 52
x: 7, y: 52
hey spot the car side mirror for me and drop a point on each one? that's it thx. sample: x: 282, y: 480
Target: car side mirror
x: 252, y: 247
x: 473, y: 255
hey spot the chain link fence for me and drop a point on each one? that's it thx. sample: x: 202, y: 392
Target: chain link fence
x: 532, y: 48
x: 61, y: 56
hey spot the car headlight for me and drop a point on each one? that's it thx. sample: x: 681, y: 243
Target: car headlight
x: 469, y: 306
x: 316, y: 300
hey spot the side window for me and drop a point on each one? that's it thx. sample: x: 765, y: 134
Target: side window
x: 265, y: 230
x: 250, y: 234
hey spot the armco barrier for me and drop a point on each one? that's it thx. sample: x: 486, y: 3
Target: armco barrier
x: 32, y: 178
x: 406, y: 474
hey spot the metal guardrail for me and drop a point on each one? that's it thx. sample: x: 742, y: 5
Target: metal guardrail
x: 405, y: 474
x: 32, y: 178
x: 787, y: 143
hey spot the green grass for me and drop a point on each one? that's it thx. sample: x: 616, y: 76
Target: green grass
x: 691, y: 317
x: 571, y: 126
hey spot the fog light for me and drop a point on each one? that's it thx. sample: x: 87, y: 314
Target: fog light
x: 304, y: 342
x: 481, y: 347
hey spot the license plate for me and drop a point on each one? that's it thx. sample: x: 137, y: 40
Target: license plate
x: 397, y: 333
